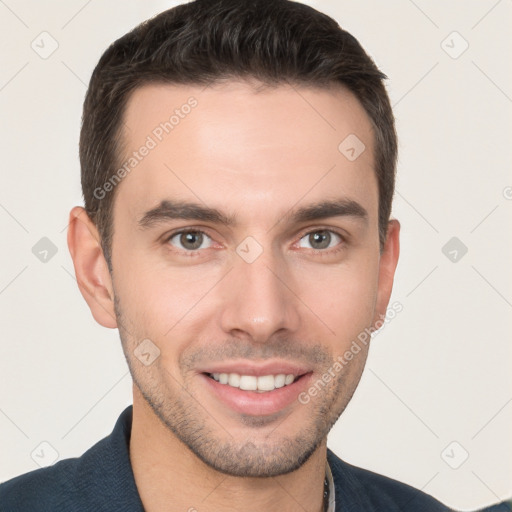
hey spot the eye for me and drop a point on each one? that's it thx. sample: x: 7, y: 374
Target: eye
x: 321, y: 239
x: 189, y: 240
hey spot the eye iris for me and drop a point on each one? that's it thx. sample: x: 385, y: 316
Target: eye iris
x: 194, y: 238
x: 321, y: 237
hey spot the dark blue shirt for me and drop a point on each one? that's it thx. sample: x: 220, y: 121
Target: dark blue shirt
x: 101, y: 480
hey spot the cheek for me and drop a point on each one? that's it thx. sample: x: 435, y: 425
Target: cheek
x: 160, y: 302
x: 344, y: 298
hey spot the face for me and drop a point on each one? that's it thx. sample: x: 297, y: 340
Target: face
x: 246, y: 255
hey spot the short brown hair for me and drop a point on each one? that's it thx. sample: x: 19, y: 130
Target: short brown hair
x: 204, y: 41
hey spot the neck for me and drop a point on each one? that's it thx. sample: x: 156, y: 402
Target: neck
x: 170, y: 477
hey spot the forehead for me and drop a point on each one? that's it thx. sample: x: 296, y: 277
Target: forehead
x: 252, y: 148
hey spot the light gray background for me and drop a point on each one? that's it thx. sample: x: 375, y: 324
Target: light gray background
x: 437, y: 373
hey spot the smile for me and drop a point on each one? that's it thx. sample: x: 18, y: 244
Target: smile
x: 253, y: 395
x: 261, y: 384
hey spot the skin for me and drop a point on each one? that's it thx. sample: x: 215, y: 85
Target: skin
x: 257, y: 154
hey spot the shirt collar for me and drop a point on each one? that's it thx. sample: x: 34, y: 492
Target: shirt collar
x: 331, y: 495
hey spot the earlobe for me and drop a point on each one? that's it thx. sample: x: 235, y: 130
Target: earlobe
x: 91, y: 269
x: 387, y: 267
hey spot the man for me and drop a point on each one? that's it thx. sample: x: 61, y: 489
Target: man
x: 238, y: 164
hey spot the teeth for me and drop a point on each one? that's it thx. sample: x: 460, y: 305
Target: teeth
x: 266, y: 383
x: 234, y: 380
x: 288, y: 380
x: 248, y: 383
x: 252, y: 383
x: 279, y: 380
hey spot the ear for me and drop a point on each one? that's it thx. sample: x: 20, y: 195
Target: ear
x: 387, y: 266
x: 91, y: 269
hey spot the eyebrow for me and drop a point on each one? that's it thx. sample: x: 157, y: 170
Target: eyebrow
x: 184, y: 210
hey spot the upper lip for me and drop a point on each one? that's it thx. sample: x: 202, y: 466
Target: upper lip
x: 257, y: 370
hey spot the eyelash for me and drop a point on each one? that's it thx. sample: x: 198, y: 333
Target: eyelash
x: 320, y: 252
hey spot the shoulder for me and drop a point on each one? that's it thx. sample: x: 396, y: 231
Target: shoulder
x: 44, y: 489
x: 377, y: 492
x: 100, y: 480
x: 57, y: 487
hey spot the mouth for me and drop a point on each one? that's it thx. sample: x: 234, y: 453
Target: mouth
x: 252, y: 395
x: 259, y: 384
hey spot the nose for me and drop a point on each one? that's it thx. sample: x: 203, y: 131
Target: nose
x: 259, y: 299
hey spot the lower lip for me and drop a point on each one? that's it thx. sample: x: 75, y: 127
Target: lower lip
x: 254, y: 403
